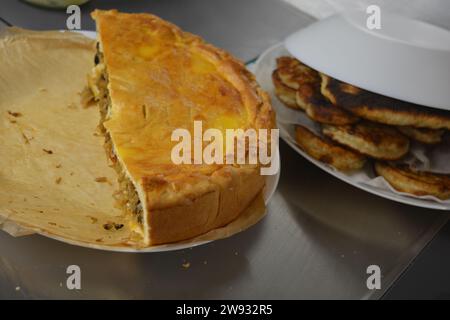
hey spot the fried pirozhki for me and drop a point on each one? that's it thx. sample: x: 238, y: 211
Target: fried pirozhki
x: 404, y: 179
x: 382, y: 109
x: 327, y: 151
x: 374, y: 140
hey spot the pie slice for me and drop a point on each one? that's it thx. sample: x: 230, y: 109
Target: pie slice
x: 150, y: 79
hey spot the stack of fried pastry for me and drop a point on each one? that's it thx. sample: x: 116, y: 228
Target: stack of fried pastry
x: 358, y: 126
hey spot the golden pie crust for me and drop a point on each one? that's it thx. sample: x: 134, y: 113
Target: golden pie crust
x: 161, y: 79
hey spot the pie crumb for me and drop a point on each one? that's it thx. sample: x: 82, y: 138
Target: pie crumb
x: 15, y: 114
x: 94, y: 220
x: 25, y: 138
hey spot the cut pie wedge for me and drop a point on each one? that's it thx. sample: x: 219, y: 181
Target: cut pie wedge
x: 152, y: 78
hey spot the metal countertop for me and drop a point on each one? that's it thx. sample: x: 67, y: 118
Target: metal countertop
x: 317, y: 240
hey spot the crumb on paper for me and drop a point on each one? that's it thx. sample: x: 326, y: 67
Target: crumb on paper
x: 110, y: 225
x: 12, y: 121
x: 118, y: 226
x: 72, y: 173
x: 87, y: 97
x: 93, y: 220
x: 186, y: 265
x: 58, y: 180
x: 101, y: 179
x: 47, y: 151
x: 15, y: 114
x: 25, y: 138
x: 99, y: 240
x: 52, y: 224
x: 43, y: 90
x: 72, y: 106
x: 58, y: 166
x: 107, y: 226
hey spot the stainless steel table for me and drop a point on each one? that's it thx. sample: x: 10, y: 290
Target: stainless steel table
x: 317, y: 240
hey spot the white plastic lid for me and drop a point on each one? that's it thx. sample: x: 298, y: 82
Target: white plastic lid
x: 406, y: 59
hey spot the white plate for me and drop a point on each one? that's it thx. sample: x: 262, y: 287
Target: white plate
x: 287, y: 117
x: 87, y: 33
x: 271, y: 185
x: 406, y: 59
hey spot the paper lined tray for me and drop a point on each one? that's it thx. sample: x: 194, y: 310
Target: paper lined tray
x: 364, y: 179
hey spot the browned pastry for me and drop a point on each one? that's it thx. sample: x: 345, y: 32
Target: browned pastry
x: 294, y: 74
x: 151, y: 79
x: 327, y: 151
x: 423, y: 135
x: 286, y: 94
x: 321, y: 110
x: 382, y: 109
x: 404, y: 179
x: 305, y: 82
x: 374, y: 140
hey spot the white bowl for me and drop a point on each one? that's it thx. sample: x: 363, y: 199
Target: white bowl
x: 406, y: 59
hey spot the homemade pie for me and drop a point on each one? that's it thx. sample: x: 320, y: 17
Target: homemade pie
x: 151, y: 78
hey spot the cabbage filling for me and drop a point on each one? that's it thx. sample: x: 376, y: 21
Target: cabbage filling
x: 127, y: 197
